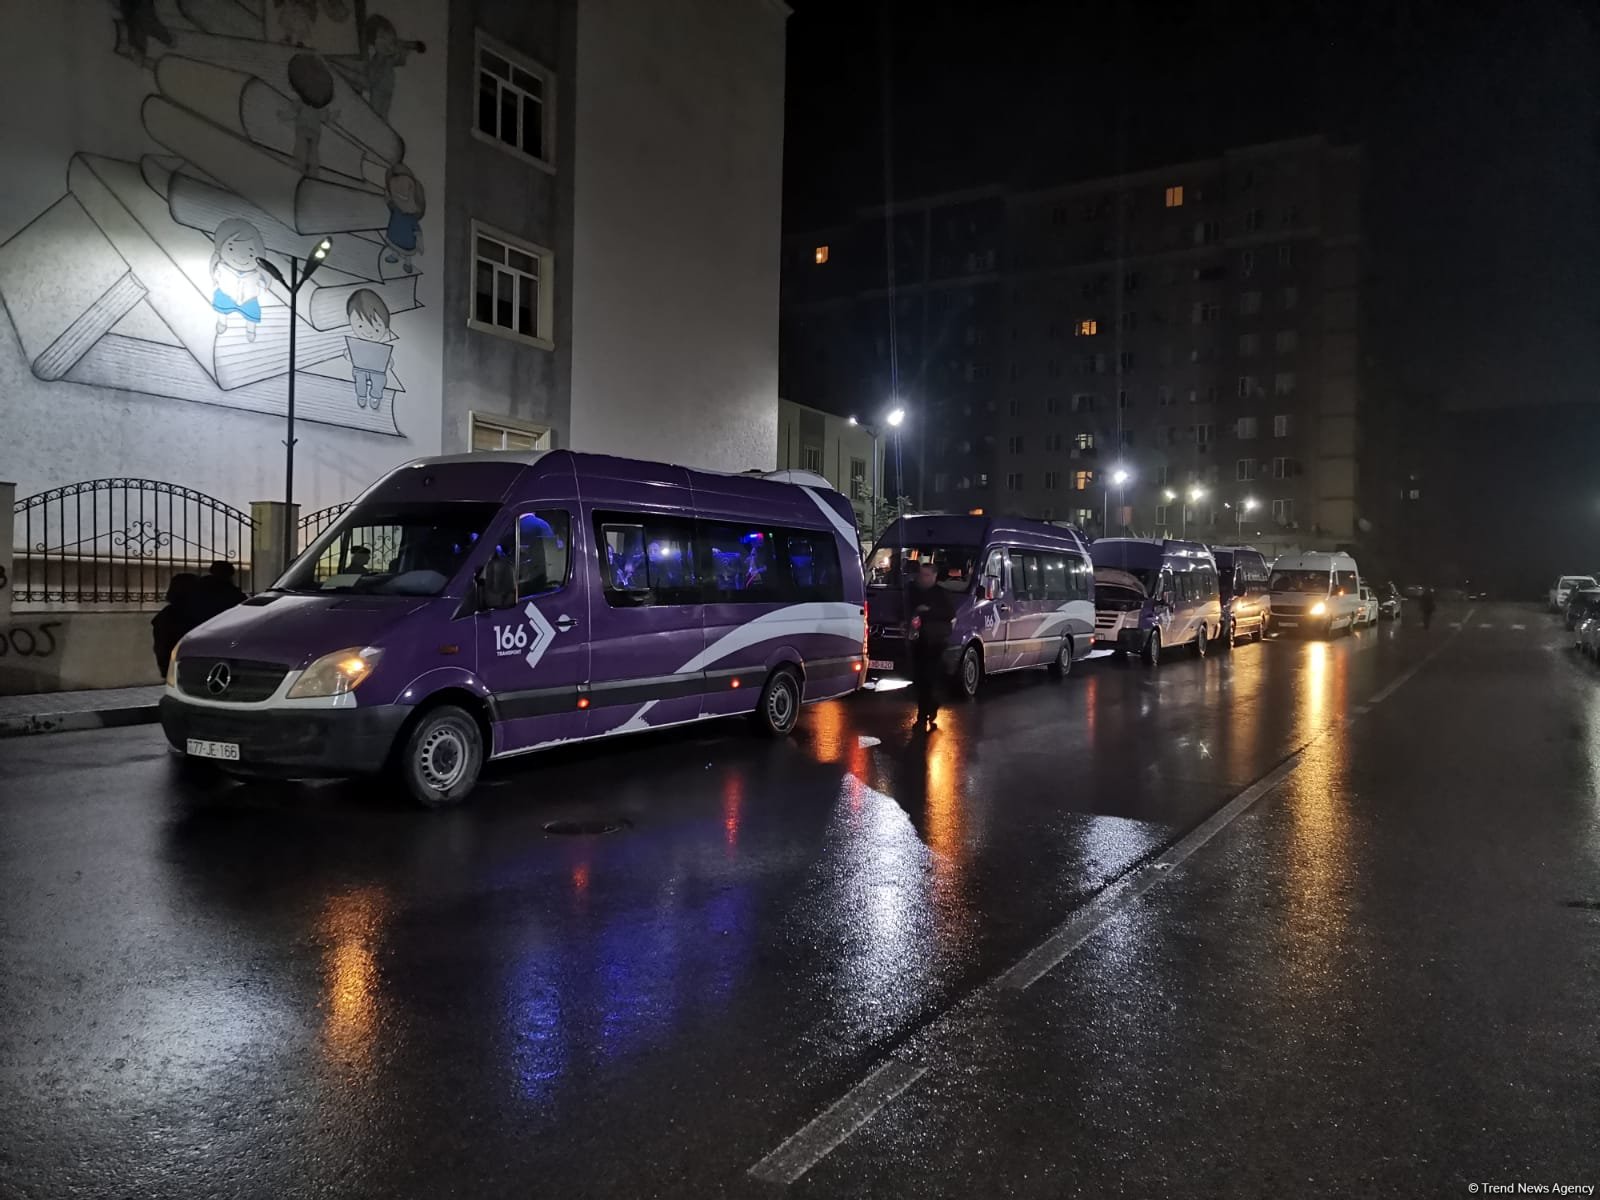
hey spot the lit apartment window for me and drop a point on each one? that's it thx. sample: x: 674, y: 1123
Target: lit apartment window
x: 1175, y: 197
x: 1287, y: 341
x: 1245, y: 470
x: 516, y: 102
x: 1088, y: 327
x: 1283, y: 383
x: 1082, y: 481
x: 1249, y: 345
x: 511, y: 287
x: 1246, y: 428
x: 1014, y: 481
x: 1280, y: 425
x: 820, y: 254
x: 1084, y: 516
x: 504, y: 433
x: 1084, y: 441
x: 1283, y: 511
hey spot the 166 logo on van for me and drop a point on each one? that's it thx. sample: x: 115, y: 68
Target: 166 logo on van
x: 530, y: 640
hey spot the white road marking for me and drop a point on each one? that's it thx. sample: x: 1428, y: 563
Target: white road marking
x: 1519, y: 627
x: 1485, y: 625
x: 835, y: 1124
x: 838, y: 1121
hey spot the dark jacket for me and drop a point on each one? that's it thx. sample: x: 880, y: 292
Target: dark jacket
x: 934, y: 631
x: 213, y: 595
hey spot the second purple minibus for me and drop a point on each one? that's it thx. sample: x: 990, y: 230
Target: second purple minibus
x: 485, y: 605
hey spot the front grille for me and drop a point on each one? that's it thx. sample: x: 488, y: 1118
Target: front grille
x: 1288, y: 610
x: 248, y: 680
x: 1108, y: 619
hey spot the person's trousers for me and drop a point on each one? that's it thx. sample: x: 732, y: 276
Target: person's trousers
x: 925, y: 674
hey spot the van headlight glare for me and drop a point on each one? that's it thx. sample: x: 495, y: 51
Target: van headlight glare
x: 1318, y: 608
x: 172, y: 667
x: 335, y: 674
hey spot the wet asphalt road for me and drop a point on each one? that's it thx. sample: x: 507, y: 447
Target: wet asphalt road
x: 1380, y: 979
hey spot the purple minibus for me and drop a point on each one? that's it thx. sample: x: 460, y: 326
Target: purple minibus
x: 1152, y: 594
x: 485, y: 605
x: 1023, y: 592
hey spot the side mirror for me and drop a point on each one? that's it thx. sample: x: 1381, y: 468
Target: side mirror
x: 991, y: 587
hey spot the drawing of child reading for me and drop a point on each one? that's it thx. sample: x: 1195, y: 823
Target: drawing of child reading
x: 368, y: 348
x: 236, y: 274
x: 407, y: 203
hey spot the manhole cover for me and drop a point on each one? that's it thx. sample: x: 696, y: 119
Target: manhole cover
x: 585, y: 828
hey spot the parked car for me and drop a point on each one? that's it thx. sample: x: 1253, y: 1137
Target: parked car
x: 1577, y: 604
x: 526, y: 600
x: 1367, y: 614
x: 1317, y: 592
x: 1586, y: 634
x: 1023, y: 594
x: 1174, y: 585
x: 1390, y: 603
x: 1564, y: 587
x: 1242, y: 575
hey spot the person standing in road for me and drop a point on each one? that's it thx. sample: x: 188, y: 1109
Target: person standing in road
x: 1426, y: 603
x: 931, y: 617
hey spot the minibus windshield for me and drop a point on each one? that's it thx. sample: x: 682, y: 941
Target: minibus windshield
x: 386, y: 548
x: 956, y: 565
x: 1315, y: 582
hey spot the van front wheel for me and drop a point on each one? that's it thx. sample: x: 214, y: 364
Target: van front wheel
x: 442, y: 757
x: 1152, y: 649
x: 969, y: 673
x: 779, y: 709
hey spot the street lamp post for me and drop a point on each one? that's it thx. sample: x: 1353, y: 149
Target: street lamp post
x: 895, y: 418
x: 293, y: 284
x: 1195, y: 495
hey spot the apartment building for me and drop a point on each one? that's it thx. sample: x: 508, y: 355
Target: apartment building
x: 1174, y: 350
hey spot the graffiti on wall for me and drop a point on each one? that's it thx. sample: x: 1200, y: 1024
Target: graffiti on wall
x: 268, y: 126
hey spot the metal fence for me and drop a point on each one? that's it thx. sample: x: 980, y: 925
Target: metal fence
x: 382, y: 542
x: 120, y: 542
x: 313, y: 523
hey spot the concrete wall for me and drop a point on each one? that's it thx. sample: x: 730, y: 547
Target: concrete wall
x: 836, y: 442
x: 679, y: 156
x: 486, y: 372
x: 127, y: 148
x: 61, y: 652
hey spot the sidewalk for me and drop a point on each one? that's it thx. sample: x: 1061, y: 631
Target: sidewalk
x: 63, y: 712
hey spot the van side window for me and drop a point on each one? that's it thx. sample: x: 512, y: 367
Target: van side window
x: 1082, y: 577
x: 741, y: 565
x: 544, y: 552
x: 1026, y: 583
x: 813, y: 560
x: 1057, y: 586
x: 997, y: 565
x: 1208, y: 583
x: 1345, y: 581
x: 646, y: 559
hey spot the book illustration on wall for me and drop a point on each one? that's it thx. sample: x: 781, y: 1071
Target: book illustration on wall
x: 269, y: 128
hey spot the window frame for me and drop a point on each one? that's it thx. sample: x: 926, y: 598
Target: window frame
x: 516, y: 560
x: 483, y: 420
x: 544, y: 291
x: 547, y: 102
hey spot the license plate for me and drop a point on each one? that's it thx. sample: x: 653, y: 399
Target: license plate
x: 881, y: 664
x: 228, y: 751
x: 1285, y: 624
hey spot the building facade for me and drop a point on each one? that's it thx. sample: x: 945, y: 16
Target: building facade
x: 849, y: 455
x: 476, y: 167
x: 1191, y: 331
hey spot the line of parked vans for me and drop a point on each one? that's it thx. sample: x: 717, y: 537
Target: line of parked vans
x: 480, y: 606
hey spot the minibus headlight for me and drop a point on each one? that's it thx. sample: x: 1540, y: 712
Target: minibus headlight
x: 1318, y: 609
x: 335, y: 674
x: 172, y: 667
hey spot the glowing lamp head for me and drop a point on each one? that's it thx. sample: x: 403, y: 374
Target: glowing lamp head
x: 1119, y: 477
x: 897, y: 418
x: 321, y: 252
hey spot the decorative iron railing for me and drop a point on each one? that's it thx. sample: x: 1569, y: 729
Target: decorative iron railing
x: 313, y: 523
x: 382, y: 542
x: 120, y: 542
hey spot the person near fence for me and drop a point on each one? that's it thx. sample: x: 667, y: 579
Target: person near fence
x: 217, y: 592
x: 176, y: 619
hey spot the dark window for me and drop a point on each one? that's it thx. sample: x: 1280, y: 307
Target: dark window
x: 814, y: 566
x: 1082, y: 577
x: 1345, y: 583
x: 1027, y: 581
x: 646, y: 559
x: 544, y: 551
x: 1057, y: 585
x: 741, y: 565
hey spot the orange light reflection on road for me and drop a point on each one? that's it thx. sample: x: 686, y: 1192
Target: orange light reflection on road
x: 732, y: 808
x: 351, y: 924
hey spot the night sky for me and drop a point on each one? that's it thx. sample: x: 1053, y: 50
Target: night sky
x: 1480, y: 122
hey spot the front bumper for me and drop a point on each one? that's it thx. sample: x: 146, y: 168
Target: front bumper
x: 296, y: 742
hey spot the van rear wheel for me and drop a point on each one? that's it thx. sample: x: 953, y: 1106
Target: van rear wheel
x: 779, y: 709
x: 1202, y: 643
x: 442, y: 757
x: 1062, y: 666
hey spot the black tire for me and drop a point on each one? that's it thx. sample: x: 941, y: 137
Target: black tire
x: 1151, y: 654
x: 779, y: 710
x: 1260, y: 631
x: 969, y: 672
x: 1225, y: 635
x: 1202, y: 641
x: 442, y: 756
x: 1062, y: 666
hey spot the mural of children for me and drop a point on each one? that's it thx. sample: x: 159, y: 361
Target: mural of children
x: 313, y: 88
x: 368, y: 349
x: 295, y: 19
x: 407, y: 203
x: 236, y: 274
x: 384, y: 52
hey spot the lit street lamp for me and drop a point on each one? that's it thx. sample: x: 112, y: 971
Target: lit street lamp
x: 1195, y: 496
x: 1120, y: 477
x: 296, y: 279
x: 1245, y: 505
x: 895, y: 418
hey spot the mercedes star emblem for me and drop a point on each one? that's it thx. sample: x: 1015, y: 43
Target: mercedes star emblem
x: 218, y: 679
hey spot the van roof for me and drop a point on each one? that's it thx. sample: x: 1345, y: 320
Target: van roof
x: 580, y: 457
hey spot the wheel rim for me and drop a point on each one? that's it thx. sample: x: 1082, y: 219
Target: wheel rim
x: 1064, y: 658
x: 969, y: 671
x: 1200, y: 642
x: 780, y: 703
x: 442, y: 759
x: 1155, y: 647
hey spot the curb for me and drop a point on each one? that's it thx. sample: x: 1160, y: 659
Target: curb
x: 73, y: 722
